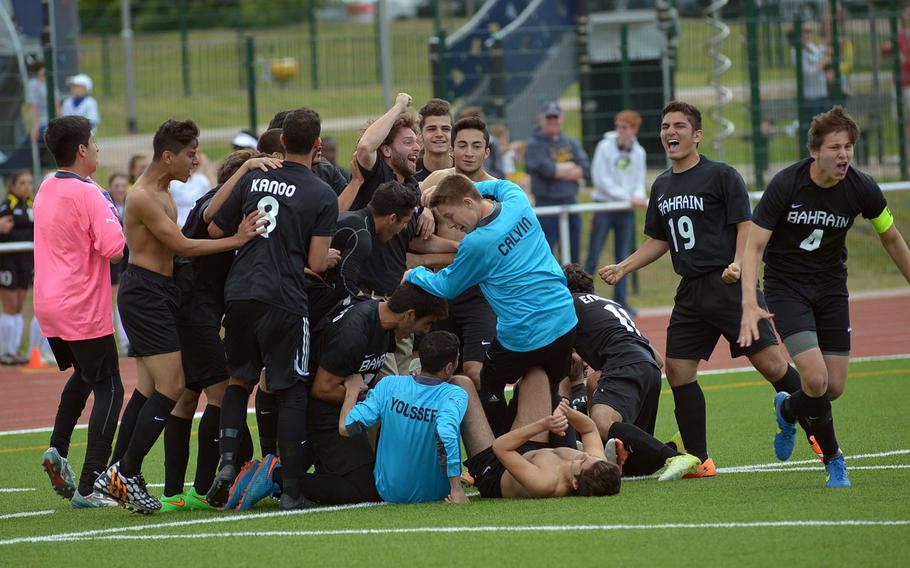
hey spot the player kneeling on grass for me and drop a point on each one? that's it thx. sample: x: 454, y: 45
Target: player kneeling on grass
x: 624, y: 403
x: 520, y: 464
x: 418, y: 457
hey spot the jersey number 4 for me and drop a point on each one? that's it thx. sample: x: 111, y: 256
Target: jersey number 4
x: 813, y: 241
x: 686, y: 231
x: 268, y: 206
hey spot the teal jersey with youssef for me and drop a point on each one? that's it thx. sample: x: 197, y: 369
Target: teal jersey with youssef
x: 419, y: 448
x: 508, y: 256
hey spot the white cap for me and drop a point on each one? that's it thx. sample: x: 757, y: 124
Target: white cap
x: 244, y: 140
x: 81, y: 79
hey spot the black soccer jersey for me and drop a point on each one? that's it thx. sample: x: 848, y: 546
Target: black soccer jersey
x: 606, y: 336
x: 421, y: 173
x: 351, y: 341
x: 696, y: 212
x: 23, y: 219
x: 810, y: 223
x: 297, y: 206
x: 354, y: 238
x: 201, y: 278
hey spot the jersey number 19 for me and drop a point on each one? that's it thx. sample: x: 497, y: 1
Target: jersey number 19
x: 686, y: 231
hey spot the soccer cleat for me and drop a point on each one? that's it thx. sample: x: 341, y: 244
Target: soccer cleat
x: 786, y: 435
x: 94, y: 500
x: 130, y: 492
x: 173, y: 503
x: 467, y: 480
x: 187, y: 501
x: 262, y: 484
x: 615, y: 452
x: 221, y: 487
x: 813, y: 443
x: 58, y: 469
x: 286, y: 503
x: 705, y: 469
x: 836, y: 468
x: 241, y: 483
x: 679, y: 466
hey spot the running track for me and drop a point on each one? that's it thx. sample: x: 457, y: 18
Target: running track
x: 880, y: 327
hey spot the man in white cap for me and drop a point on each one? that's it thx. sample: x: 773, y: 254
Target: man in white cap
x: 80, y: 102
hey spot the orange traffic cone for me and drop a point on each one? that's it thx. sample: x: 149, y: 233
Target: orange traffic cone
x: 34, y: 359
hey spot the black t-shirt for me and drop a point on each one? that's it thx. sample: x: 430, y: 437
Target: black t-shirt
x: 696, y: 211
x: 383, y: 269
x: 606, y: 336
x: 23, y: 219
x: 422, y: 172
x: 201, y: 278
x: 354, y: 238
x: 351, y: 341
x: 332, y: 175
x: 810, y: 223
x: 298, y: 206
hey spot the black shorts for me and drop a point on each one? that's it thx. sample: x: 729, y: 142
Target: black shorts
x: 338, y: 455
x: 502, y: 366
x: 17, y: 270
x: 258, y: 335
x: 487, y: 470
x: 633, y: 391
x: 706, y: 308
x: 94, y: 359
x: 811, y: 302
x: 474, y: 322
x: 148, y: 304
x: 321, y: 299
x: 202, y: 353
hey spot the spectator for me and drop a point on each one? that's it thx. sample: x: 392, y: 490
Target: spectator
x: 80, y: 102
x: 329, y: 153
x: 16, y: 268
x: 618, y: 173
x: 244, y: 139
x: 903, y: 51
x: 186, y: 193
x: 556, y: 163
x: 36, y: 98
x: 815, y: 83
x: 137, y: 165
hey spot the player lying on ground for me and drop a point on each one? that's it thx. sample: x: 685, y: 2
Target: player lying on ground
x: 803, y: 219
x: 624, y: 402
x: 519, y: 464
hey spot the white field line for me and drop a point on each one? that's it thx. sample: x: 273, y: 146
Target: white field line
x: 818, y: 468
x: 84, y: 426
x: 492, y: 529
x: 16, y: 489
x: 26, y: 514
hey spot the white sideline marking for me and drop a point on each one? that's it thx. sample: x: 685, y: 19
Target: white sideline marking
x: 16, y: 489
x: 508, y: 529
x: 818, y: 468
x: 85, y: 426
x: 26, y: 514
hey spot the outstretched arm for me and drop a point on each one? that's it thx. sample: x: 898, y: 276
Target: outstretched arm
x: 896, y: 246
x: 648, y: 252
x: 372, y: 137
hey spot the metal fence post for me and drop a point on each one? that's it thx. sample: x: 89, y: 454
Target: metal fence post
x: 251, y: 80
x: 836, y: 54
x: 800, y: 89
x: 625, y: 80
x: 314, y: 46
x: 105, y: 55
x: 759, y: 152
x: 565, y: 247
x: 50, y: 79
x: 898, y: 86
x: 184, y: 48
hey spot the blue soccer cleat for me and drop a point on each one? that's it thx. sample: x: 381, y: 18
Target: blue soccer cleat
x: 837, y: 472
x: 786, y: 436
x: 240, y: 484
x: 262, y: 483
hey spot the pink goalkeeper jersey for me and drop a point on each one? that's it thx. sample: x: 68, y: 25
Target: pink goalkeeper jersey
x: 76, y: 234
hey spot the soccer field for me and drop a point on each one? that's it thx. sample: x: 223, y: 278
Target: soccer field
x: 756, y: 511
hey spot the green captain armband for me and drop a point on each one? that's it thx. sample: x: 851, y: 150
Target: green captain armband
x: 883, y: 222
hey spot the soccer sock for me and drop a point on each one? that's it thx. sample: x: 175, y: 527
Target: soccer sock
x: 580, y: 397
x: 493, y: 400
x: 245, y: 452
x: 102, y: 425
x: 176, y: 453
x: 72, y: 403
x: 267, y: 421
x: 151, y: 421
x: 690, y: 417
x: 292, y: 436
x: 35, y: 335
x: 789, y: 383
x: 6, y: 332
x: 792, y: 408
x: 818, y: 412
x: 208, y: 454
x: 646, y: 453
x: 16, y: 339
x: 233, y: 415
x: 128, y: 424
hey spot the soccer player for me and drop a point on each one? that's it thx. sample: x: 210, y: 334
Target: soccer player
x: 77, y: 236
x: 801, y: 225
x: 520, y: 464
x: 699, y: 211
x: 470, y: 315
x: 266, y: 315
x: 16, y: 269
x: 270, y: 143
x: 149, y: 301
x: 504, y: 251
x: 625, y: 400
x: 418, y: 457
x: 435, y: 135
x: 201, y: 282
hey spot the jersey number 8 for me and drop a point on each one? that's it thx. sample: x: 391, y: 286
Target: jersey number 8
x: 686, y: 231
x: 268, y: 206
